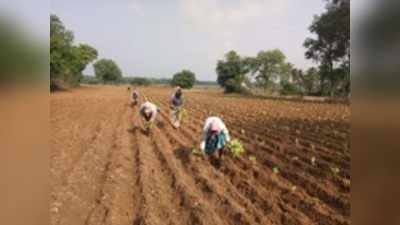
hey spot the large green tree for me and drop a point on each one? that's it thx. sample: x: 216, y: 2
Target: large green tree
x: 270, y: 67
x: 307, y: 81
x: 232, y: 72
x: 331, y: 47
x: 66, y: 60
x: 107, y: 70
x: 184, y: 79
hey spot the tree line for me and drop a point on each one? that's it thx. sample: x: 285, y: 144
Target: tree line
x: 68, y: 61
x: 185, y: 79
x: 270, y: 70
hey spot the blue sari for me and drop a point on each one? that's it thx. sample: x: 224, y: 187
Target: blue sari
x: 214, y: 143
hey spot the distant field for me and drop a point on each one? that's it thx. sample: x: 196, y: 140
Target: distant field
x: 105, y: 170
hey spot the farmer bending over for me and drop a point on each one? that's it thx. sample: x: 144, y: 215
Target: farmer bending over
x: 214, y: 137
x: 148, y: 111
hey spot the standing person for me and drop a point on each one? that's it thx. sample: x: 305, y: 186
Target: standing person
x: 176, y: 106
x: 149, y: 113
x: 134, y: 97
x: 214, y: 137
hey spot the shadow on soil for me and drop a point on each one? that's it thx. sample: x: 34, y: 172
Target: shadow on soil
x: 216, y: 163
x: 133, y: 129
x: 183, y: 154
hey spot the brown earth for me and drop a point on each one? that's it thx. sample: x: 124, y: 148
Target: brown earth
x: 106, y: 170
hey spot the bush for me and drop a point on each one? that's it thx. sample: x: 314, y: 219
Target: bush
x: 140, y: 81
x: 90, y: 80
x: 184, y: 79
x: 231, y: 72
x: 107, y: 70
x: 289, y: 89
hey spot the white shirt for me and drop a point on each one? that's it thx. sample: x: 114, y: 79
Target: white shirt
x: 151, y: 107
x: 207, y: 125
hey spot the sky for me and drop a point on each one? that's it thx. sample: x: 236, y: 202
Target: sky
x: 157, y: 38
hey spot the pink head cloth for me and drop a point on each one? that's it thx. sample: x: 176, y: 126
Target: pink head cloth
x: 214, y: 126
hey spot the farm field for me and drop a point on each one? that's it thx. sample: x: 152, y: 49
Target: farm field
x: 105, y: 170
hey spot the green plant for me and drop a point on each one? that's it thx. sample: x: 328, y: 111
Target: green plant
x: 184, y: 79
x: 148, y: 125
x: 253, y: 159
x: 199, y: 205
x: 275, y: 170
x: 236, y: 148
x: 181, y: 113
x: 335, y: 170
x: 196, y: 151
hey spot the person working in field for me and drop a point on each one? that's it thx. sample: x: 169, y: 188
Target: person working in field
x: 176, y: 105
x: 149, y: 113
x: 134, y: 97
x: 215, y: 136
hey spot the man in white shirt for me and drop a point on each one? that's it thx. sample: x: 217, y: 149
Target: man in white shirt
x: 148, y: 111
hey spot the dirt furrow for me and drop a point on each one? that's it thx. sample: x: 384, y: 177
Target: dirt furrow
x: 119, y: 196
x: 159, y: 204
x: 210, y: 180
x: 327, y: 219
x: 74, y: 202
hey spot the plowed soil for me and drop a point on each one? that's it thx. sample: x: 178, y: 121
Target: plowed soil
x: 106, y: 170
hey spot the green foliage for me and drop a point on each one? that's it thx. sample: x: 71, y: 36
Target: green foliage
x: 184, y: 79
x: 181, y: 113
x: 196, y: 151
x: 206, y: 83
x: 331, y: 48
x: 288, y: 88
x: 253, y: 159
x: 307, y: 82
x: 21, y: 58
x: 147, y: 125
x: 107, y: 70
x: 140, y: 81
x: 335, y: 170
x: 236, y: 148
x: 231, y: 72
x: 90, y: 80
x: 270, y: 67
x: 66, y: 60
x: 275, y: 170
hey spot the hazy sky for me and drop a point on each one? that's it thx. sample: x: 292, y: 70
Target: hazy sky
x: 158, y: 38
